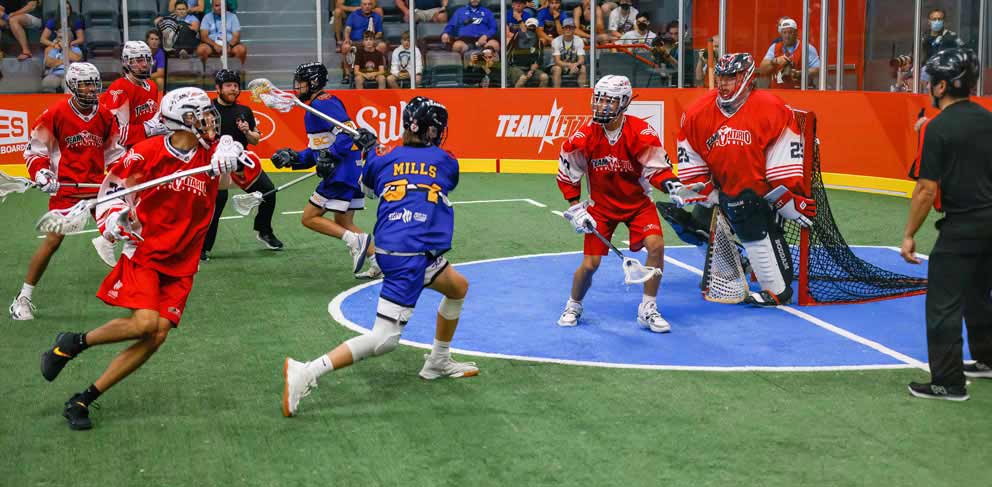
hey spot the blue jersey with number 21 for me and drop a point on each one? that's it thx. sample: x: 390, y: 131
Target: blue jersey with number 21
x: 413, y: 185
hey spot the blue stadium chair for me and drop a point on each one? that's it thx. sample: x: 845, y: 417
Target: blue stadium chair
x: 444, y: 69
x: 392, y: 32
x: 391, y: 13
x: 102, y: 41
x: 429, y: 36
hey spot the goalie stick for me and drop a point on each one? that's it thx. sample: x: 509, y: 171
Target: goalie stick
x: 244, y: 203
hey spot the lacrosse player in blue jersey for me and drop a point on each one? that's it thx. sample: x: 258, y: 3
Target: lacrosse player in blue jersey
x: 412, y: 231
x: 336, y: 157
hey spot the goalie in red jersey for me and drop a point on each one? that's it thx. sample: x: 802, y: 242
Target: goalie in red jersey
x: 163, y: 228
x: 741, y: 148
x: 621, y: 157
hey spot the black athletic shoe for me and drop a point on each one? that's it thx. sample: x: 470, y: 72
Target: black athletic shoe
x: 765, y: 298
x: 269, y: 240
x: 204, y: 256
x: 978, y: 370
x: 55, y: 358
x: 77, y: 413
x: 934, y: 391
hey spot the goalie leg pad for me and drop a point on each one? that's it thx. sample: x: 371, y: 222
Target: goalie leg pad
x: 749, y: 215
x: 385, y: 336
x: 450, y: 309
x: 766, y: 265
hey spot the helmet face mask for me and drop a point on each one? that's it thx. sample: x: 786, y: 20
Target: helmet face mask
x: 610, y: 98
x: 83, y: 81
x: 136, y: 58
x: 190, y: 110
x: 309, y: 79
x: 734, y: 81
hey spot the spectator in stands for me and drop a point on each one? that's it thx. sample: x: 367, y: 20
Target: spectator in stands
x: 426, y: 11
x: 640, y: 34
x: 360, y: 21
x: 17, y: 17
x: 622, y: 19
x: 400, y: 68
x: 54, y: 65
x: 157, y: 69
x: 182, y: 13
x: 518, y: 14
x: 194, y: 7
x: 936, y: 39
x: 179, y: 31
x: 783, y: 61
x: 483, y: 69
x: 526, y: 54
x: 702, y: 66
x: 582, y: 15
x: 212, y: 34
x: 55, y: 24
x: 342, y: 11
x: 471, y: 25
x: 370, y: 63
x: 549, y: 22
x: 568, y: 53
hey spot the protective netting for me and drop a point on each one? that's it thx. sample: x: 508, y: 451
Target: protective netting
x: 829, y: 272
x: 724, y: 278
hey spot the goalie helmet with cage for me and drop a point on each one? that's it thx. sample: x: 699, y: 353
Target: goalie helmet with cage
x: 426, y: 118
x: 190, y: 109
x: 83, y: 81
x: 132, y: 55
x: 610, y: 98
x: 314, y: 75
x: 734, y: 80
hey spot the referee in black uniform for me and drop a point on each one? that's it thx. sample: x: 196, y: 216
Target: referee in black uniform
x: 954, y: 175
x: 239, y: 122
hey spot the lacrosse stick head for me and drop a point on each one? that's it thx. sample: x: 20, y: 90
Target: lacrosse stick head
x: 263, y: 91
x: 65, y: 221
x: 244, y: 203
x: 636, y: 273
x: 11, y: 184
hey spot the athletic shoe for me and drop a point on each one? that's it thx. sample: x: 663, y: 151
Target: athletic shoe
x: 571, y: 315
x: 54, y: 359
x: 269, y: 240
x: 77, y: 413
x: 297, y: 384
x: 373, y: 273
x: 22, y: 308
x: 204, y: 256
x: 934, y: 391
x: 978, y: 370
x: 358, y: 247
x: 106, y: 250
x: 649, y: 317
x: 446, y: 367
x: 768, y: 299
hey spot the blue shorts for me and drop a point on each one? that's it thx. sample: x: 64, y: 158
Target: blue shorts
x: 337, y: 197
x: 407, y: 276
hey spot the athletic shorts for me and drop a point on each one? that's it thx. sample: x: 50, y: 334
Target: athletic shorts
x: 133, y: 286
x: 641, y: 223
x: 426, y: 15
x: 337, y: 197
x: 407, y: 276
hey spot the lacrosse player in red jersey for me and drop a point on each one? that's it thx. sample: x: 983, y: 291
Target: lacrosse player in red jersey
x: 163, y: 228
x: 71, y: 143
x: 621, y: 157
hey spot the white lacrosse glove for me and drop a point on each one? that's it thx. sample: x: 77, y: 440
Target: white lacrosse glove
x: 112, y: 228
x: 47, y: 181
x: 696, y: 193
x: 226, y: 156
x: 580, y: 219
x: 155, y: 127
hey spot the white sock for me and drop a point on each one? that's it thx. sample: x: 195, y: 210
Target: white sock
x: 349, y: 237
x: 573, y: 301
x: 320, y: 366
x: 645, y: 299
x: 26, y: 290
x: 441, y: 349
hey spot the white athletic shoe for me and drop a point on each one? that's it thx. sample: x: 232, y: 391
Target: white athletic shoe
x: 372, y: 274
x: 106, y: 250
x: 446, y: 367
x: 571, y: 315
x: 358, y: 247
x: 649, y: 317
x: 297, y: 384
x: 22, y: 309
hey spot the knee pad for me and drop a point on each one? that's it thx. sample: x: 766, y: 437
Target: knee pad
x: 450, y: 309
x: 748, y: 214
x: 772, y: 264
x: 385, y: 336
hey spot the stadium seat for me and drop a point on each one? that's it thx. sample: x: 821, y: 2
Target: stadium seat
x: 444, y: 69
x: 21, y: 76
x: 391, y: 13
x: 52, y: 12
x: 392, y: 32
x: 109, y: 67
x: 102, y: 41
x: 454, y: 5
x: 102, y: 18
x: 429, y: 36
x: 615, y: 63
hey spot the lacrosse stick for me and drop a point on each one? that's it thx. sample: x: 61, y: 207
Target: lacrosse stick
x: 262, y: 90
x: 244, y: 203
x: 72, y: 220
x: 633, y: 271
x: 13, y: 184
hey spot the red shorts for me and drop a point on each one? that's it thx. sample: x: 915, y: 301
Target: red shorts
x: 130, y: 285
x: 641, y: 223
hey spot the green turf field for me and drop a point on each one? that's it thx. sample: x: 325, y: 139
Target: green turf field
x: 205, y: 410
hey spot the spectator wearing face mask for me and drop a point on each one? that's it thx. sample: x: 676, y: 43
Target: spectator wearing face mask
x: 640, y: 34
x: 549, y: 22
x: 622, y: 19
x: 526, y: 54
x: 936, y: 39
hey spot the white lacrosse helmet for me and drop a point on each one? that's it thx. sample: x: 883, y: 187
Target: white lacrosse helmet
x: 190, y: 109
x: 83, y: 81
x: 610, y: 98
x: 133, y: 52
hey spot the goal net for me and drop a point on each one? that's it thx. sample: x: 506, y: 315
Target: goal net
x: 828, y: 271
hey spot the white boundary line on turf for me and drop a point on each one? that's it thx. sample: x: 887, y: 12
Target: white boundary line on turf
x: 334, y: 309
x: 525, y: 200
